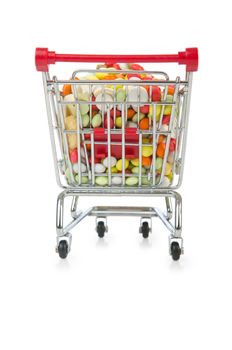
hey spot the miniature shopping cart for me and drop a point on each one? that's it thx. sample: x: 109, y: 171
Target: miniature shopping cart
x: 119, y: 131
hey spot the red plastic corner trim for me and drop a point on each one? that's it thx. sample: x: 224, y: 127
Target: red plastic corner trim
x: 189, y: 57
x: 43, y: 58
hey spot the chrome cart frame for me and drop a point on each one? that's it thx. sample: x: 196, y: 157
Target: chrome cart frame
x: 85, y: 137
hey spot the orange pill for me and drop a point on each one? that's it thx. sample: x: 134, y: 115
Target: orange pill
x: 161, y: 138
x: 146, y: 161
x: 109, y: 77
x: 88, y: 146
x: 67, y: 88
x: 171, y: 89
x: 130, y: 113
x: 160, y: 150
x: 144, y: 124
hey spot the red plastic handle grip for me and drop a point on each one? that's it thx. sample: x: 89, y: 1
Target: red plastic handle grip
x: 43, y: 58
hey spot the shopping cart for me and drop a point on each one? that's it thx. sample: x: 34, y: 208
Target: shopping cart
x: 110, y: 155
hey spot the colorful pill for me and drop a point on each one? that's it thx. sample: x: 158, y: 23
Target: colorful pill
x: 120, y: 95
x: 119, y: 164
x: 168, y: 169
x: 84, y: 179
x: 135, y: 170
x: 132, y: 181
x: 116, y: 180
x: 83, y: 168
x: 85, y: 120
x: 106, y: 98
x: 145, y: 181
x: 137, y: 116
x: 147, y: 151
x: 99, y: 168
x: 158, y: 163
x: 112, y: 162
x: 135, y: 162
x: 96, y: 120
x: 101, y: 180
x: 114, y: 170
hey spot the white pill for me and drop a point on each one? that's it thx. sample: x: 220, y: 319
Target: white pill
x: 134, y: 78
x: 70, y: 108
x: 137, y: 94
x: 97, y: 90
x: 113, y: 162
x: 171, y: 157
x: 164, y: 128
x: 166, y: 182
x: 116, y: 180
x: 131, y: 125
x: 99, y: 168
x: 106, y: 98
x: 83, y: 168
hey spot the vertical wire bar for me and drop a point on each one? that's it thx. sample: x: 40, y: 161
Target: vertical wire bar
x: 78, y: 114
x: 154, y: 145
x: 123, y: 145
x: 58, y: 123
x: 114, y: 112
x: 150, y: 100
x: 169, y: 130
x: 90, y: 106
x: 51, y: 130
x: 138, y: 105
x: 163, y: 106
x: 109, y: 144
x: 92, y: 158
x: 189, y: 78
x: 140, y: 156
x: 177, y: 137
x: 81, y: 134
x: 65, y: 136
x: 181, y: 125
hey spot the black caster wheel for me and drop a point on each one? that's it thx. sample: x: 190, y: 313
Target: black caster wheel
x: 101, y: 229
x: 63, y: 249
x: 175, y: 251
x: 145, y: 229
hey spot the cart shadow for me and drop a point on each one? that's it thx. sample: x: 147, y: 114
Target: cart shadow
x: 101, y: 242
x: 63, y: 264
x: 145, y: 243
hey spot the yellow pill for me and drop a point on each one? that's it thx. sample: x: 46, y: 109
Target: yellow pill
x: 91, y: 77
x: 168, y: 169
x: 170, y: 176
x: 113, y: 170
x: 158, y: 112
x: 135, y: 162
x: 145, y: 140
x: 119, y: 164
x: 101, y: 75
x: 167, y: 110
x: 118, y: 122
x: 147, y: 151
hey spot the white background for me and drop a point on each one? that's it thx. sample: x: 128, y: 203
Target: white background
x: 121, y: 293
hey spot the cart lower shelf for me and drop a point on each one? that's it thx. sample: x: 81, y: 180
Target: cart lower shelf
x: 172, y: 222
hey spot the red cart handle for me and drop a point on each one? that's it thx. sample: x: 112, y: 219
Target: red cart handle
x: 43, y: 58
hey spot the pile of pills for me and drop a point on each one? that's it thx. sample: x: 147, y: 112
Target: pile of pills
x: 116, y: 104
